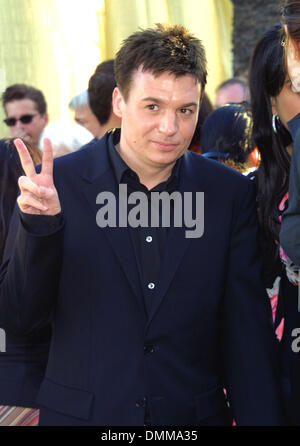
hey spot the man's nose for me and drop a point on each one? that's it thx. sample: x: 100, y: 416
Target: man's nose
x: 17, y: 129
x: 168, y: 123
x: 19, y: 124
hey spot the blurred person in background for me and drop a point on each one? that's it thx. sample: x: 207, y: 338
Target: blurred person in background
x: 26, y: 113
x: 226, y: 137
x: 234, y: 89
x: 93, y: 108
x: 83, y: 114
x: 66, y: 137
x: 23, y: 363
x: 273, y: 99
x: 101, y: 87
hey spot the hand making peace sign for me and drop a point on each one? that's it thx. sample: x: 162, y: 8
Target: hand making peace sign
x: 38, y: 193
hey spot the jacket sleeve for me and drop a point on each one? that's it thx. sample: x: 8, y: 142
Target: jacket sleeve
x: 29, y: 275
x: 249, y: 345
x: 10, y: 171
x: 290, y: 227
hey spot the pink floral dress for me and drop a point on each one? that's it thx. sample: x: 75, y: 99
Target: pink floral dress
x: 292, y: 274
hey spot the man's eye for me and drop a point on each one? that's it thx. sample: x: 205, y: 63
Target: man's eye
x: 152, y: 107
x: 186, y: 111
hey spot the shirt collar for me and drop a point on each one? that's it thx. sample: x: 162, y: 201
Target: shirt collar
x: 118, y: 164
x: 120, y: 167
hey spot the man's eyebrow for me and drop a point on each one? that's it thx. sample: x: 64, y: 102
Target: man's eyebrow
x: 159, y: 101
x: 151, y: 99
x: 190, y: 104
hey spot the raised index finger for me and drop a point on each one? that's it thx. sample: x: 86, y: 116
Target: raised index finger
x: 25, y: 158
x: 47, y: 162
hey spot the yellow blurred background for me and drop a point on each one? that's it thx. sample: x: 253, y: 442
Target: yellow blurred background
x: 55, y: 45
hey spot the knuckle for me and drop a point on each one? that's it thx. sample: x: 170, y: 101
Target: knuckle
x: 21, y: 180
x: 25, y: 194
x: 20, y: 202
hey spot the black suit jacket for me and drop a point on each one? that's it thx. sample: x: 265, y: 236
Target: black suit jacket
x: 210, y: 322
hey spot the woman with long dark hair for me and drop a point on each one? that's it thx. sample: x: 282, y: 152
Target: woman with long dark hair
x: 23, y: 363
x: 271, y: 96
x: 290, y: 230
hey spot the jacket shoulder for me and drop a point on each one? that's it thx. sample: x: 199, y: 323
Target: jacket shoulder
x: 94, y: 153
x: 80, y: 155
x: 214, y: 173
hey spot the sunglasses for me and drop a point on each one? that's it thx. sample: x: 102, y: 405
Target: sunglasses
x: 25, y: 119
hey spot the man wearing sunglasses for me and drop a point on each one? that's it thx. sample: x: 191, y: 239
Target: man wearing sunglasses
x: 26, y: 112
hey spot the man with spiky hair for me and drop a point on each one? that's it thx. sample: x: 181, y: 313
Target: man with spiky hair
x: 150, y: 321
x: 233, y: 90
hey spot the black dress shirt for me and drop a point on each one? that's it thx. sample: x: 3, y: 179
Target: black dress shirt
x: 148, y: 242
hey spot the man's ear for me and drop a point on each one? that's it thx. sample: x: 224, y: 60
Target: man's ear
x: 46, y: 118
x: 117, y: 102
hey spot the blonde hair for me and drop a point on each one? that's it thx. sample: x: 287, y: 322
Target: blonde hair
x: 34, y: 152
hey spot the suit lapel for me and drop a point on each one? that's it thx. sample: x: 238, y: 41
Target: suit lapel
x: 175, y: 248
x: 98, y: 177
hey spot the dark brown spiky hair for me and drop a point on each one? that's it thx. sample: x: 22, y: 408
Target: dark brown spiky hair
x: 164, y: 49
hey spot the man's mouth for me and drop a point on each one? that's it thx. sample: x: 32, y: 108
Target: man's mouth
x: 165, y: 146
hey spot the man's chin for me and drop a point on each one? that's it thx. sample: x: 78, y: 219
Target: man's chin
x: 27, y: 138
x: 23, y: 136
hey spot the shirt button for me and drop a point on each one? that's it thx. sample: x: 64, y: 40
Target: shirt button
x: 149, y: 349
x: 151, y: 286
x: 149, y: 239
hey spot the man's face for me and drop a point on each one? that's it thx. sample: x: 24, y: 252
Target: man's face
x: 32, y: 131
x: 232, y: 93
x: 85, y: 117
x: 158, y: 118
